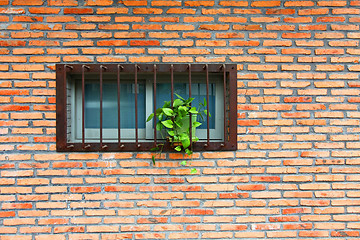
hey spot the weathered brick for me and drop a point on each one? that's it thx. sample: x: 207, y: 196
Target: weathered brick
x: 78, y: 11
x: 297, y: 121
x: 165, y: 3
x: 98, y: 2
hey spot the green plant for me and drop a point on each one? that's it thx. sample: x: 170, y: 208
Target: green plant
x: 175, y: 120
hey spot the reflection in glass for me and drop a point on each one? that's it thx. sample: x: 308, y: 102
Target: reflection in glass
x: 198, y: 91
x: 110, y: 113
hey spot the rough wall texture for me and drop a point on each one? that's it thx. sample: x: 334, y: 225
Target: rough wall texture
x: 295, y: 174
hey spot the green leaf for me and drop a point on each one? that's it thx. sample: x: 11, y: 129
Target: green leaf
x: 154, y: 149
x: 178, y: 148
x: 193, y: 171
x: 178, y: 122
x: 189, y: 100
x: 168, y: 123
x: 185, y: 141
x: 196, y: 124
x: 150, y: 117
x: 183, y: 136
x: 206, y: 113
x: 193, y: 110
x: 159, y: 126
x: 178, y: 118
x: 177, y: 102
x: 153, y: 159
x: 171, y: 133
x: 168, y: 111
x: 182, y: 110
x: 188, y: 152
x: 179, y: 96
x: 167, y: 104
x: 201, y: 116
x: 183, y: 163
x: 205, y: 102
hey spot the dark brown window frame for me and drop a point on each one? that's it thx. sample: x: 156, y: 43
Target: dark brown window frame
x: 230, y: 105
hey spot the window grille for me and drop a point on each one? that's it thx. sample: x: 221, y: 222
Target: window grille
x: 73, y: 79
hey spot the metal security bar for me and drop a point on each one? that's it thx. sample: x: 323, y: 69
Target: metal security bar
x: 101, y: 106
x: 154, y: 93
x: 207, y: 106
x: 83, y: 105
x: 119, y: 68
x: 68, y: 73
x: 190, y: 118
x: 136, y: 108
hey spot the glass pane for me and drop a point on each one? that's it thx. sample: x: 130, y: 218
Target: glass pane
x: 198, y: 91
x: 110, y: 113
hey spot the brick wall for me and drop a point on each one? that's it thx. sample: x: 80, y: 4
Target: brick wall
x: 295, y: 174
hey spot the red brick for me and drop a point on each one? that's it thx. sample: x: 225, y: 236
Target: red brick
x: 60, y: 19
x: 144, y: 43
x: 215, y: 11
x: 329, y: 35
x: 296, y: 35
x: 332, y: 3
x: 76, y: 11
x: 233, y: 3
x: 197, y: 3
x: 330, y: 19
x: 165, y: 3
x: 298, y: 20
x: 164, y: 19
x: 12, y: 43
x: 98, y: 2
x: 264, y: 19
x: 134, y: 2
x: 319, y: 11
x: 63, y: 3
x: 65, y: 229
x: 27, y: 3
x: 215, y: 27
x: 112, y: 11
x: 199, y: 19
x: 266, y: 3
x: 147, y: 11
x: 96, y: 19
x: 81, y: 26
x: 171, y: 27
x: 45, y: 27
x: 247, y: 27
x: 44, y: 10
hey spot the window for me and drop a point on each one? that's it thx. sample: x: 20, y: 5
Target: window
x: 105, y: 107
